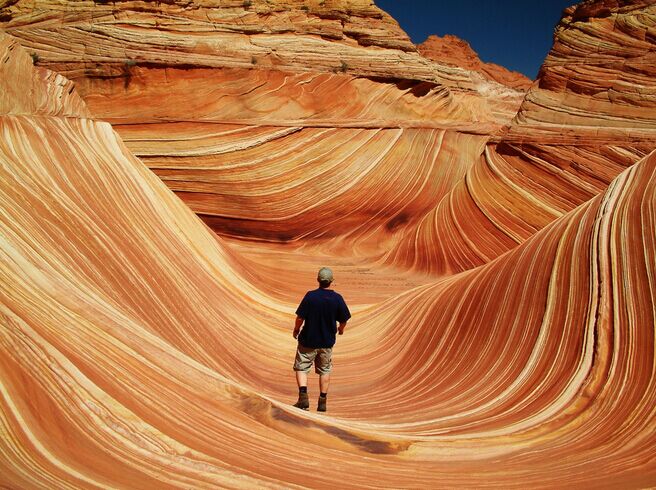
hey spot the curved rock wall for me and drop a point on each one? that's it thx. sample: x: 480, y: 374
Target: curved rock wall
x: 191, y: 93
x: 598, y: 79
x: 502, y: 287
x: 588, y: 116
x: 124, y: 321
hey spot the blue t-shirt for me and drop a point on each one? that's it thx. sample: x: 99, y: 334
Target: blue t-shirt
x: 321, y: 309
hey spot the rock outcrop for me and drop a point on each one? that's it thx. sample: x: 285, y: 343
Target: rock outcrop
x: 502, y: 282
x: 29, y: 90
x: 598, y: 82
x: 191, y: 86
x: 452, y: 50
x: 563, y: 148
x: 104, y: 39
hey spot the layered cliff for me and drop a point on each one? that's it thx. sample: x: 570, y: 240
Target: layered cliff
x: 598, y: 81
x: 145, y: 42
x: 102, y: 39
x: 452, y: 50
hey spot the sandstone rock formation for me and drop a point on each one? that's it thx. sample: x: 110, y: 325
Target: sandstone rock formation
x: 599, y: 79
x: 237, y: 81
x: 341, y: 36
x: 502, y: 283
x: 564, y: 146
x: 452, y: 50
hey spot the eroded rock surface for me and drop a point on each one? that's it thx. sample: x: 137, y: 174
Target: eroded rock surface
x: 599, y: 80
x: 502, y: 282
x: 564, y: 146
x: 450, y: 49
x: 105, y: 38
x: 191, y: 86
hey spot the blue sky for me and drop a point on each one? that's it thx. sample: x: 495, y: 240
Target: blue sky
x: 516, y: 34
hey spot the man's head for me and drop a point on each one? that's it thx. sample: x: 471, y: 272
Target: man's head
x: 325, y: 277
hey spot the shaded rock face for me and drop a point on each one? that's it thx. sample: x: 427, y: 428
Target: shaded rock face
x: 452, y: 50
x: 502, y: 279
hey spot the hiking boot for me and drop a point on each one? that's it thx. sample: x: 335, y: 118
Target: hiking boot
x: 321, y: 406
x: 303, y: 401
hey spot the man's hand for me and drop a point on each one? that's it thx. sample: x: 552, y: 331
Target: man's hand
x: 297, y: 326
x: 340, y: 329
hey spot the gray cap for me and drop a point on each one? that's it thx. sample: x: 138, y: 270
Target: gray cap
x: 325, y: 274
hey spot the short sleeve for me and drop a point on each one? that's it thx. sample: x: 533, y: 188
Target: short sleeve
x: 343, y: 314
x: 302, y: 309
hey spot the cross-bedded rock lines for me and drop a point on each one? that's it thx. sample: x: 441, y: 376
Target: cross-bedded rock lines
x: 501, y: 274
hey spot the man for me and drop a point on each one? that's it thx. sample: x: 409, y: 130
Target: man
x: 318, y: 314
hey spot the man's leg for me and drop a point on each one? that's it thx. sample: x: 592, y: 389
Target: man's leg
x: 303, y: 399
x: 301, y: 379
x: 302, y: 363
x: 323, y: 368
x: 324, y: 382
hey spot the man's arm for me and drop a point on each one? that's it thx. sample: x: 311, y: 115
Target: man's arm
x: 340, y: 329
x: 297, y: 326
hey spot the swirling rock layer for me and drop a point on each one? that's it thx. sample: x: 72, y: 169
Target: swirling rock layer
x: 599, y: 79
x: 103, y: 39
x: 200, y: 91
x: 502, y: 285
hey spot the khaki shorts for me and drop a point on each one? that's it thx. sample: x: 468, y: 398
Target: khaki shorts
x: 322, y: 359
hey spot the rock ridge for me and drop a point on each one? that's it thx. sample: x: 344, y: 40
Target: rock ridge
x: 452, y: 50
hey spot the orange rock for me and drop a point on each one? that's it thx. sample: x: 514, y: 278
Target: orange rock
x: 599, y: 78
x: 588, y: 116
x: 239, y: 81
x: 104, y: 41
x: 452, y: 50
x: 502, y: 284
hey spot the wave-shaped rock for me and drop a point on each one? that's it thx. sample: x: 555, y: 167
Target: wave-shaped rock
x: 502, y: 290
x: 32, y: 91
x: 564, y: 146
x: 184, y: 100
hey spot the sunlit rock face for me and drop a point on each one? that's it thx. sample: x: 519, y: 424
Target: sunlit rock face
x: 27, y: 90
x: 208, y: 94
x: 502, y: 281
x: 105, y: 39
x: 599, y: 80
x: 452, y: 50
x: 589, y: 115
